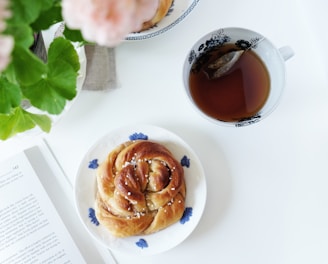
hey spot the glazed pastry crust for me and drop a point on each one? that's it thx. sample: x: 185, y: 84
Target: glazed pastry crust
x: 163, y: 8
x: 141, y: 189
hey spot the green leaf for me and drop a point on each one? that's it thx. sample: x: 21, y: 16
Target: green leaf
x: 19, y: 121
x: 25, y: 12
x: 28, y: 67
x: 58, y: 85
x: 62, y: 49
x: 51, y: 93
x: 47, y: 18
x: 73, y: 35
x: 62, y: 77
x: 45, y: 97
x: 22, y: 34
x: 10, y: 96
x: 43, y: 121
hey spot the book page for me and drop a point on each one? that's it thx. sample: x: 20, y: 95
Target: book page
x: 31, y: 230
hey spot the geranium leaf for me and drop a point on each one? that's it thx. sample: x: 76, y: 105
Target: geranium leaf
x: 26, y: 12
x: 28, y: 67
x: 19, y: 121
x: 44, y: 96
x: 10, y: 96
x: 73, y: 35
x: 62, y: 78
x: 53, y: 85
x: 47, y: 18
x: 51, y: 93
x: 23, y: 35
x: 62, y: 49
x: 43, y: 121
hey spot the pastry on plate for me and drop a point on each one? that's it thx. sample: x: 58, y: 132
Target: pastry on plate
x: 163, y: 8
x: 140, y: 189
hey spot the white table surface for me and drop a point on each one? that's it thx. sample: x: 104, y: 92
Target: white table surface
x: 267, y: 183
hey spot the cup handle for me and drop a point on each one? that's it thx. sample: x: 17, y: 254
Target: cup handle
x: 286, y: 52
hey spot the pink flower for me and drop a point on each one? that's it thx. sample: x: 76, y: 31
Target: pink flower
x: 4, y: 13
x: 6, y: 42
x: 107, y: 22
x: 6, y: 46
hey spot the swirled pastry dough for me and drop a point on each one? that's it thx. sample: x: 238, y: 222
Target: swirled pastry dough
x: 141, y: 189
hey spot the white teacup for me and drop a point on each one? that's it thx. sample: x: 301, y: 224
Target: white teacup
x: 272, y: 57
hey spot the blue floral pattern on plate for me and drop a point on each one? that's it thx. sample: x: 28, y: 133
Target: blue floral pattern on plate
x: 136, y: 136
x: 92, y: 216
x: 148, y: 244
x: 186, y: 215
x: 142, y: 243
x: 185, y: 161
x: 93, y: 164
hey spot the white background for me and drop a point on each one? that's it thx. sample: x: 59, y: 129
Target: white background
x: 267, y: 183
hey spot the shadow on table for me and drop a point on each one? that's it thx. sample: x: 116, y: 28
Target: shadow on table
x: 217, y: 172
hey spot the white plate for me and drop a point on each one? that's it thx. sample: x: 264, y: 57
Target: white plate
x: 85, y: 191
x: 177, y: 12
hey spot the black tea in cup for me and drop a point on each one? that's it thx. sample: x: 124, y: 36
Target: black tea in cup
x: 239, y: 94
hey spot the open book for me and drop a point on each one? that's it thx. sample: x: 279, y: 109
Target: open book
x: 38, y: 222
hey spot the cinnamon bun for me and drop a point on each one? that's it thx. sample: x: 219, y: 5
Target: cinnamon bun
x: 141, y: 189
